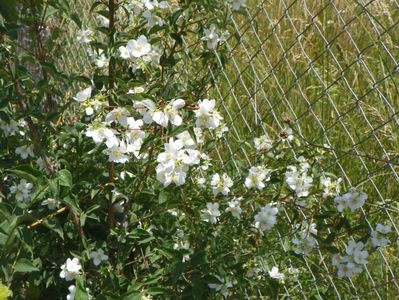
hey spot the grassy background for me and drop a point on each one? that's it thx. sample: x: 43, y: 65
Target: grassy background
x: 332, y: 66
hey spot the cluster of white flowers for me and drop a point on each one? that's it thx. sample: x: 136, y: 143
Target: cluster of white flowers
x: 266, y: 218
x: 263, y: 143
x: 130, y: 137
x: 212, y: 37
x: 353, y: 261
x: 221, y: 184
x: 98, y: 57
x: 305, y: 242
x: 257, y: 176
x: 234, y: 207
x: 221, y: 287
x: 169, y: 114
x: 206, y: 114
x: 143, y: 6
x: 84, y: 36
x: 211, y: 214
x: 174, y: 162
x: 140, y: 52
x: 352, y: 200
x: 22, y: 190
x: 329, y: 186
x: 379, y: 235
x: 71, y: 269
x: 298, y: 179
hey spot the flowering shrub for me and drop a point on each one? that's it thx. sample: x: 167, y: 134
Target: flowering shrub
x: 114, y: 191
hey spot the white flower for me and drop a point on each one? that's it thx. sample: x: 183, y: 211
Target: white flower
x: 286, y: 135
x: 257, y: 176
x: 221, y: 130
x: 383, y: 228
x: 119, y: 115
x: 360, y: 257
x: 51, y: 203
x: 22, y: 190
x: 117, y: 153
x: 211, y: 213
x: 207, y: 116
x: 104, y: 22
x: 263, y: 143
x: 134, y: 136
x: 236, y: 4
x: 342, y: 203
x: 275, y: 273
x: 174, y: 162
x: 199, y: 136
x: 98, y: 256
x: 146, y: 108
x: 298, y: 181
x: 211, y: 37
x: 352, y: 200
x: 305, y: 243
x: 71, y: 269
x: 24, y: 151
x: 356, y: 200
x: 83, y: 95
x: 222, y: 286
x: 266, y: 218
x: 169, y: 114
x: 72, y: 292
x: 186, y: 139
x: 221, y: 184
x: 9, y: 129
x: 234, y: 207
x: 185, y: 246
x: 355, y: 250
x: 152, y: 19
x: 135, y: 48
x: 378, y: 239
x: 84, y: 36
x: 347, y: 269
x: 99, y: 133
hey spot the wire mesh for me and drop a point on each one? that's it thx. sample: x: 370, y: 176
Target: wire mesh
x: 332, y: 65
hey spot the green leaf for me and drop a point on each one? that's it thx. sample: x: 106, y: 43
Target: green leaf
x: 26, y: 172
x: 81, y: 293
x: 8, y: 10
x: 76, y: 19
x: 162, y: 198
x: 24, y: 265
x: 65, y: 178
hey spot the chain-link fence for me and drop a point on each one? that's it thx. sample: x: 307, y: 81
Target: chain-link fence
x: 331, y: 68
